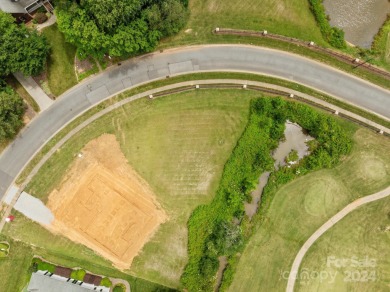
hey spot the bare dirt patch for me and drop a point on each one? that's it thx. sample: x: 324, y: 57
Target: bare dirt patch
x: 104, y: 204
x: 83, y: 65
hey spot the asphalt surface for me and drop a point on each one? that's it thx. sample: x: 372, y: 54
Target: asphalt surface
x: 181, y: 61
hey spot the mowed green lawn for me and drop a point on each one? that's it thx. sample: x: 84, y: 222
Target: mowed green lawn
x: 60, y: 64
x: 179, y: 144
x: 302, y: 206
x: 28, y: 238
x: 364, y: 236
x: 286, y: 17
x: 14, y: 268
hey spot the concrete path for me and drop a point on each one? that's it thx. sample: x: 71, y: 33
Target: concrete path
x: 49, y: 22
x: 34, y: 209
x: 332, y: 221
x: 35, y: 91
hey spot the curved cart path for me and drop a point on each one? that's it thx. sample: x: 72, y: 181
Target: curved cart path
x: 329, y: 224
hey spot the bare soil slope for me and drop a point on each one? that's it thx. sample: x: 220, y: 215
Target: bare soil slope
x: 104, y: 204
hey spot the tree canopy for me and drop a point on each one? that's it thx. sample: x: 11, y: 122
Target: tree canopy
x: 21, y: 49
x: 11, y: 111
x: 119, y: 27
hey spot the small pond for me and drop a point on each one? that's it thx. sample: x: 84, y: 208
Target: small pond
x: 360, y: 19
x: 295, y: 139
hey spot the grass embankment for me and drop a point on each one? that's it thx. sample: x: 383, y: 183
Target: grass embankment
x: 362, y: 236
x: 302, y: 206
x: 286, y: 17
x: 60, y: 66
x: 179, y: 144
x: 28, y: 239
x: 381, y: 45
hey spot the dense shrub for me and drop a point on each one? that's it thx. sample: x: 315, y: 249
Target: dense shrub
x: 119, y: 27
x: 333, y: 35
x: 78, y: 274
x: 12, y: 109
x: 106, y: 282
x: 119, y: 288
x: 221, y: 227
x: 21, y: 49
x: 40, y: 265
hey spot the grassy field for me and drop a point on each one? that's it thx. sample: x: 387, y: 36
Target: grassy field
x: 14, y: 268
x: 60, y: 67
x: 302, y: 206
x: 179, y: 144
x: 362, y: 234
x: 28, y: 239
x: 286, y: 17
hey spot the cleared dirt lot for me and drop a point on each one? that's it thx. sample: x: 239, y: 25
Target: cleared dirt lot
x: 103, y: 203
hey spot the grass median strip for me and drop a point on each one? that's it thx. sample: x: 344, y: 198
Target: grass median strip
x: 197, y: 76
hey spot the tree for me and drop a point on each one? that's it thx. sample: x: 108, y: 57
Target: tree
x: 119, y: 27
x: 168, y: 17
x: 21, y: 49
x: 11, y: 111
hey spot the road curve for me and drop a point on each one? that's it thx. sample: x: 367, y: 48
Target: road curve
x: 332, y: 221
x: 182, y: 61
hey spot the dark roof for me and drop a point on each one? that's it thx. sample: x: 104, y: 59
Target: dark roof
x: 64, y: 272
x: 15, y: 6
x: 92, y: 279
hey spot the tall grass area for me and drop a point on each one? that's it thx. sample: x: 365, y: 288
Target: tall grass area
x: 363, y: 234
x: 300, y: 207
x: 286, y: 17
x: 60, y: 66
x: 179, y: 144
x: 381, y: 45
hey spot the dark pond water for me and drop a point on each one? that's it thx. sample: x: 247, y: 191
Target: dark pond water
x: 295, y: 139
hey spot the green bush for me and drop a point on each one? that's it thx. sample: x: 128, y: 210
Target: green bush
x: 333, y: 35
x: 292, y: 156
x: 12, y: 109
x: 38, y: 264
x: 106, y: 282
x: 78, y: 274
x: 4, y: 245
x: 119, y: 288
x: 213, y: 229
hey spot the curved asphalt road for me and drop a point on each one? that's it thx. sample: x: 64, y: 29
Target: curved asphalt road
x: 181, y: 61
